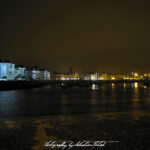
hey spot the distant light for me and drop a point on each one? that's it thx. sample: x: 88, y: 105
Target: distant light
x: 136, y: 74
x: 113, y: 78
x: 101, y: 78
x: 62, y: 78
x: 94, y: 77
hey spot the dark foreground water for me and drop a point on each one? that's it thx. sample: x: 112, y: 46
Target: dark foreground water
x: 111, y: 112
x: 73, y: 101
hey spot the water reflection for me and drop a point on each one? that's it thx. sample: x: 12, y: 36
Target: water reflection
x: 113, y: 85
x: 8, y: 101
x: 94, y: 87
x: 124, y: 85
x: 94, y: 96
x: 135, y: 85
x: 53, y: 101
x: 136, y: 97
x: 64, y: 103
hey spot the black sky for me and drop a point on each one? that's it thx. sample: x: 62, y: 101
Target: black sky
x: 90, y: 35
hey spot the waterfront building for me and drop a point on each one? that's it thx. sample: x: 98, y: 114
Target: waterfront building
x: 10, y: 71
x: 57, y: 76
x: 146, y: 76
x: 94, y: 76
x: 20, y: 72
x: 85, y: 76
x: 44, y: 74
x: 27, y: 74
x: 7, y: 70
x: 103, y: 76
x: 66, y: 76
x: 35, y: 73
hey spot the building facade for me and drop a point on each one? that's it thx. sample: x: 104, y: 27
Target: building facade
x: 10, y: 71
x: 35, y: 73
x: 20, y: 72
x: 7, y: 70
x: 45, y: 74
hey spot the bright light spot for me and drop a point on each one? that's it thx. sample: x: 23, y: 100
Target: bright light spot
x: 101, y: 78
x: 124, y: 85
x: 135, y: 74
x: 113, y: 78
x: 94, y: 77
x: 136, y: 85
x: 94, y: 87
x: 62, y: 78
x: 113, y: 85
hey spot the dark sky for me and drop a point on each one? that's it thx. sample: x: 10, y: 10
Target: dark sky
x: 90, y: 35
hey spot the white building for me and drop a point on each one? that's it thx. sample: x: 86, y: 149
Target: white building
x: 45, y: 74
x: 35, y: 73
x: 7, y: 70
x: 20, y: 72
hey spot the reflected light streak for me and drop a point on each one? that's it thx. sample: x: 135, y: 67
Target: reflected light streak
x: 124, y: 85
x: 136, y: 85
x: 113, y: 85
x: 94, y: 87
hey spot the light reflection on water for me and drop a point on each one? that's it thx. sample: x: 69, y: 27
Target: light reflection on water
x: 113, y: 85
x: 135, y: 85
x: 55, y: 101
x: 95, y: 87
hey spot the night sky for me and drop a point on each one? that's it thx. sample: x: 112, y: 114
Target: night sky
x: 90, y: 35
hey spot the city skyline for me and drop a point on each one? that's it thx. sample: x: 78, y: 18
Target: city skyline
x: 70, y: 69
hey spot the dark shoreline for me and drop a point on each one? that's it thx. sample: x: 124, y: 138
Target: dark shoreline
x: 16, y: 85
